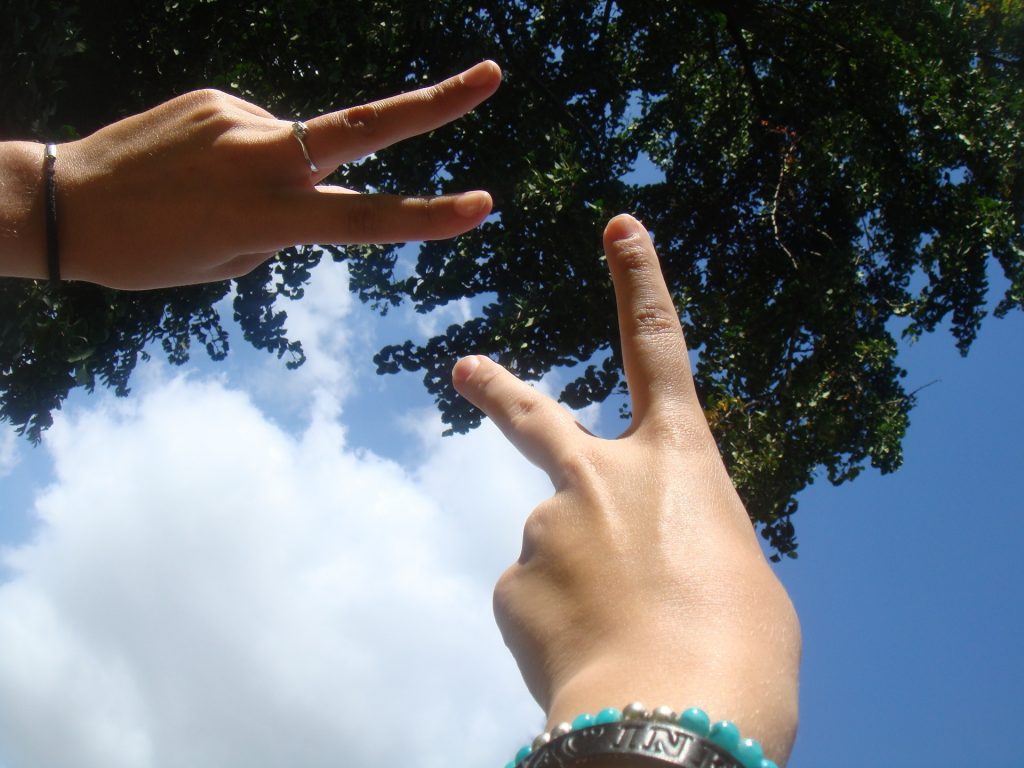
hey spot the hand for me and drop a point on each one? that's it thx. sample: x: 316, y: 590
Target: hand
x: 206, y: 186
x: 641, y: 578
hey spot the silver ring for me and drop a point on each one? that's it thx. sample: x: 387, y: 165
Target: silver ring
x: 299, y: 131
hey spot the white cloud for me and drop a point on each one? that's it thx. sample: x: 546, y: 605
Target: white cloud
x: 432, y: 323
x: 9, y: 453
x: 205, y: 589
x: 324, y: 321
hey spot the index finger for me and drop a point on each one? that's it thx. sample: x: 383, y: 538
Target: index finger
x: 653, y: 350
x: 541, y: 429
x: 350, y: 134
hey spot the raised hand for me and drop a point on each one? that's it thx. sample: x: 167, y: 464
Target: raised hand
x: 641, y: 577
x: 206, y: 186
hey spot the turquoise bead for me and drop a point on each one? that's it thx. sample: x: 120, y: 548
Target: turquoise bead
x: 608, y: 715
x: 582, y: 721
x: 766, y: 763
x: 749, y: 753
x: 510, y: 765
x: 522, y: 754
x: 725, y: 734
x: 695, y: 720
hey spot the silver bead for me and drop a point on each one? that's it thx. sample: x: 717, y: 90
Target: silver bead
x: 634, y: 711
x: 541, y: 740
x: 664, y: 715
x: 561, y: 730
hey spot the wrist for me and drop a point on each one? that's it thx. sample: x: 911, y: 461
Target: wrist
x: 731, y: 674
x: 773, y: 731
x: 22, y: 218
x: 638, y: 735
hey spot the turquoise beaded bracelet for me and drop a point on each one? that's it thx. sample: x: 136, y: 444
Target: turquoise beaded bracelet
x: 682, y: 739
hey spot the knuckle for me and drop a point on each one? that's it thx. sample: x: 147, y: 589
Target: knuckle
x: 505, y: 593
x: 552, y: 532
x: 210, y: 101
x: 519, y: 409
x: 213, y: 110
x: 515, y: 407
x: 653, y: 319
x: 362, y: 120
x: 428, y: 207
x: 432, y: 93
x: 344, y: 119
x: 208, y: 96
x: 536, y: 529
x: 578, y: 468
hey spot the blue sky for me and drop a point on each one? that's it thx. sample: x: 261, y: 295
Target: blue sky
x: 237, y: 545
x: 909, y: 585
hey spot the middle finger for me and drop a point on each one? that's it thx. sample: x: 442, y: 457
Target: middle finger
x: 350, y: 134
x: 653, y: 350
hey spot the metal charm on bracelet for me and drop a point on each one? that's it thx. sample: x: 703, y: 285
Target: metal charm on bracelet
x: 660, y: 743
x: 299, y: 131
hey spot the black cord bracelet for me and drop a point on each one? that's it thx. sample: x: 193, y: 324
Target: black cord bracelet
x: 50, y: 192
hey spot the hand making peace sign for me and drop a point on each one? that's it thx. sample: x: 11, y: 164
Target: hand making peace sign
x: 206, y: 186
x: 641, y: 578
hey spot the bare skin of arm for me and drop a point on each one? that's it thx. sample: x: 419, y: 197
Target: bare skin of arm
x: 206, y: 186
x: 641, y: 578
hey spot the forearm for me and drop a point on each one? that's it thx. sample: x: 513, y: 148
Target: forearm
x: 22, y: 223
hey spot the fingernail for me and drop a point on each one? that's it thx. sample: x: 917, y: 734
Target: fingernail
x: 470, y: 204
x: 478, y: 75
x: 623, y: 227
x: 464, y: 369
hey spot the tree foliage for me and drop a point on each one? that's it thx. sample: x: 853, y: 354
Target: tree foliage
x: 821, y: 177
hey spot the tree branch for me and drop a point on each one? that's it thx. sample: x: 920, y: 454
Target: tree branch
x: 786, y: 160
